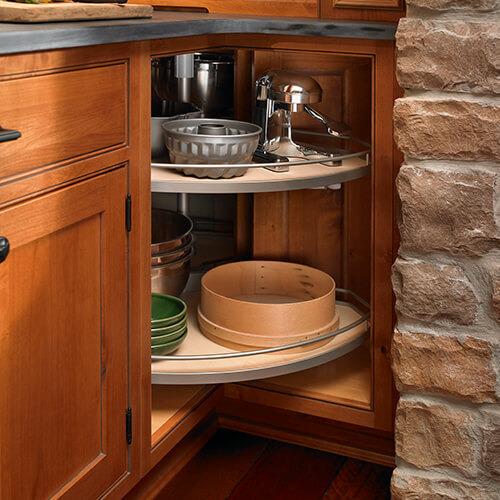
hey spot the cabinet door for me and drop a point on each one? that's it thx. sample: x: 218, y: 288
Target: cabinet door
x: 63, y: 342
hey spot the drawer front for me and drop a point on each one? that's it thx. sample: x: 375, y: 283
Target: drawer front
x: 290, y: 8
x: 63, y: 115
x: 369, y: 10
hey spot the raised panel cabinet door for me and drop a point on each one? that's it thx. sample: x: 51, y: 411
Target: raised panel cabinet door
x: 63, y: 342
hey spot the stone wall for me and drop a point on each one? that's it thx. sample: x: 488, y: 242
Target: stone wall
x: 446, y: 347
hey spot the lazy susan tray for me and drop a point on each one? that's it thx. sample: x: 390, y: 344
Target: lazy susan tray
x: 202, y: 361
x: 164, y: 179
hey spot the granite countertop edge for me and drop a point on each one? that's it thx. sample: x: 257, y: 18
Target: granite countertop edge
x: 20, y: 37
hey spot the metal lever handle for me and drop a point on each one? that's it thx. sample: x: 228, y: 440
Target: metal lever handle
x: 8, y: 135
x: 4, y: 248
x: 333, y: 127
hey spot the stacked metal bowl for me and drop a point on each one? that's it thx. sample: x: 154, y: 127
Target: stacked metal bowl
x: 172, y: 246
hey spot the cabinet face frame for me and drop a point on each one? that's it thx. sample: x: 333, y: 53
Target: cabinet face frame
x: 386, y: 160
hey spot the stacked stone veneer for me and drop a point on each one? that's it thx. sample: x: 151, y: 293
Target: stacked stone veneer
x: 446, y: 347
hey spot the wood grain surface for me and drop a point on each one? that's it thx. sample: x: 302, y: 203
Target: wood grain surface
x: 63, y: 114
x: 63, y: 342
x: 67, y: 11
x: 268, y: 298
x: 236, y: 466
x: 217, y: 469
x: 302, y: 8
x: 359, y: 480
x: 170, y: 404
x: 345, y: 380
x: 288, y: 472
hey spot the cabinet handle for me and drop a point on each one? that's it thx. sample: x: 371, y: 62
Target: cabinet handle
x: 8, y: 135
x: 4, y: 248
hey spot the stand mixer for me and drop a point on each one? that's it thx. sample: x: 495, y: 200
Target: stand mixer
x: 280, y: 93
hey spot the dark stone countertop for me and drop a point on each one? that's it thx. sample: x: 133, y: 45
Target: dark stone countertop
x: 18, y: 37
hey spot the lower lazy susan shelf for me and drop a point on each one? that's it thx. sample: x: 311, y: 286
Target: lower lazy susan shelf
x: 201, y: 361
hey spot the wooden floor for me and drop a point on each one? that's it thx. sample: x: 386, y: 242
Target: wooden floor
x: 238, y: 466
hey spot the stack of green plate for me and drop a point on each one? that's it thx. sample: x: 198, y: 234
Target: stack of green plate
x: 168, y: 323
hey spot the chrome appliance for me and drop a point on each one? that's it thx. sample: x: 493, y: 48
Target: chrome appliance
x: 204, y: 80
x: 280, y: 93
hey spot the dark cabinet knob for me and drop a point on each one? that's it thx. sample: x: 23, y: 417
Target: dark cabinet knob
x: 4, y: 248
x: 8, y: 135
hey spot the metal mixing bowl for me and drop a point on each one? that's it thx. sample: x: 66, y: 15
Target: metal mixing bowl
x: 169, y: 230
x: 188, y: 142
x: 171, y: 278
x: 159, y: 259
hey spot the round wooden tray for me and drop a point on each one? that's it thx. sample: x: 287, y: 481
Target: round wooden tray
x: 268, y: 298
x: 242, y: 341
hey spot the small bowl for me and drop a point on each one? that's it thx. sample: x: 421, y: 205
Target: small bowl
x: 169, y: 337
x: 165, y: 330
x: 166, y: 310
x: 168, y: 347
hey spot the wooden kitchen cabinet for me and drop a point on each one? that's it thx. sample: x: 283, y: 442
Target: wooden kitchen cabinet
x: 75, y: 345
x: 68, y: 349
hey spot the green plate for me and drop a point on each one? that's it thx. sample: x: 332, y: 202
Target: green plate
x: 166, y: 310
x: 160, y: 350
x: 169, y: 337
x: 164, y: 330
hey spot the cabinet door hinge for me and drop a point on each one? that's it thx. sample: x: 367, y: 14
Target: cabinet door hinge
x: 128, y: 213
x: 128, y: 425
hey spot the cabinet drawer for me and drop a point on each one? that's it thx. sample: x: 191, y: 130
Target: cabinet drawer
x: 371, y: 10
x: 290, y: 8
x: 62, y: 115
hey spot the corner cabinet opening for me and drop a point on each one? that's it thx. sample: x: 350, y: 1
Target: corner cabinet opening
x: 319, y: 214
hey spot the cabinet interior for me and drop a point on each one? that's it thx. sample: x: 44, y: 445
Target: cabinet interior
x: 328, y: 228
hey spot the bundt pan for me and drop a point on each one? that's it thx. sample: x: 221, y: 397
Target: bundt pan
x: 211, y: 141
